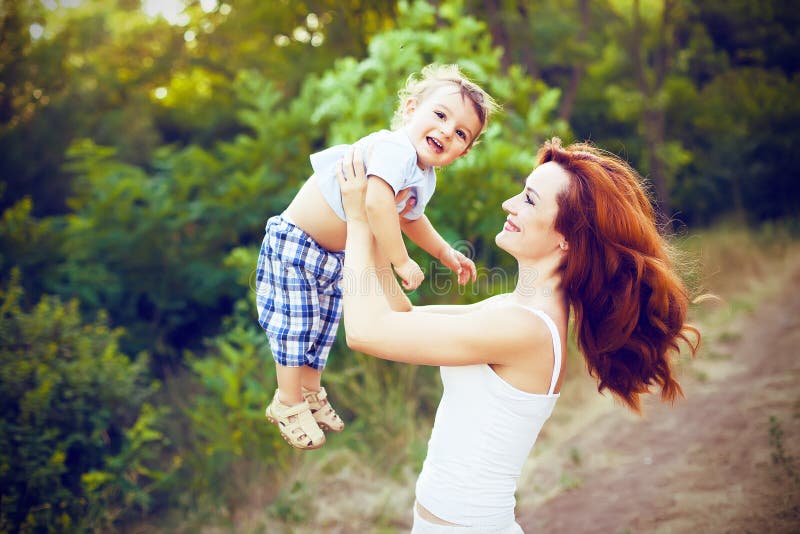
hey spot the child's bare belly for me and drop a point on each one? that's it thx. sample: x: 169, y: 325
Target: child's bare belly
x: 310, y: 211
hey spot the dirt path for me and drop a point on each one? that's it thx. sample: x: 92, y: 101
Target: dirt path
x: 702, y: 466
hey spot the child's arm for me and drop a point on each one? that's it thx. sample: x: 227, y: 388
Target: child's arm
x: 385, y: 226
x: 398, y: 301
x: 422, y: 232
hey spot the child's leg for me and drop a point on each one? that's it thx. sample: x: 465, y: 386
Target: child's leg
x: 287, y: 307
x: 310, y: 378
x: 290, y: 382
x: 317, y: 398
x: 330, y: 312
x: 291, y: 413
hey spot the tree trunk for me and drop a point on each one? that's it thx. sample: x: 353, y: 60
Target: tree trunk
x: 578, y: 69
x: 498, y: 29
x: 654, y: 139
x: 528, y: 59
x: 653, y: 117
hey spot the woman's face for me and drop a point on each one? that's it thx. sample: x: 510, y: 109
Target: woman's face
x: 529, y: 230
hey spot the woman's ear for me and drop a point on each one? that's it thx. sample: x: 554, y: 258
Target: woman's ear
x: 563, y: 245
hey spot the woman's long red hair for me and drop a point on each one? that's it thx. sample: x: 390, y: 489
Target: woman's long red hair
x: 628, y: 302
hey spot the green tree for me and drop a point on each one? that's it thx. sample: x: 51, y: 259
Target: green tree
x: 67, y: 72
x: 553, y: 41
x: 31, y: 246
x: 106, y: 71
x: 148, y: 248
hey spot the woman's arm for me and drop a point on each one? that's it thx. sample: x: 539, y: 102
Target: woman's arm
x: 459, y: 309
x: 480, y: 336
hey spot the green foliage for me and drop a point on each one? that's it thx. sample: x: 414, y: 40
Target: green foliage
x: 129, y: 479
x: 95, y: 68
x: 231, y: 444
x: 149, y: 247
x: 469, y: 192
x: 31, y: 246
x: 744, y: 161
x: 78, y: 444
x: 165, y: 147
x: 388, y: 407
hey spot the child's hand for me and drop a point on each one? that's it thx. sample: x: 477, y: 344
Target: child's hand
x: 400, y: 197
x: 410, y: 273
x: 459, y: 264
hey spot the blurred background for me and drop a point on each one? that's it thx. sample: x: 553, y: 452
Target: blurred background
x: 144, y: 144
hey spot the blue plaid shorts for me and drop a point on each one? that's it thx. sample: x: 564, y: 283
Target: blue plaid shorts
x: 298, y: 295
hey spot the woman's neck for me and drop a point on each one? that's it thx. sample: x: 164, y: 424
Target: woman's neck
x: 537, y: 283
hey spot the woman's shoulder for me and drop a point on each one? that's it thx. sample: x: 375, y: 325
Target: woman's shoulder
x: 531, y: 322
x: 542, y: 322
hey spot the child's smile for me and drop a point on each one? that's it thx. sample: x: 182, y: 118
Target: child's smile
x: 436, y: 146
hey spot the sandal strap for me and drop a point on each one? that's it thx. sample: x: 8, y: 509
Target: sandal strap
x: 297, y: 409
x: 315, y: 396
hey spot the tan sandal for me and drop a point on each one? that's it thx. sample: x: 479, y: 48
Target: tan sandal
x: 296, y: 424
x: 324, y: 414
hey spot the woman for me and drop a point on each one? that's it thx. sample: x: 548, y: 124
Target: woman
x: 582, y: 231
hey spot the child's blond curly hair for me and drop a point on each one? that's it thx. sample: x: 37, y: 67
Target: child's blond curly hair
x: 433, y: 76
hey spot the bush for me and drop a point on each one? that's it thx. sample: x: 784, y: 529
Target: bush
x: 77, y: 439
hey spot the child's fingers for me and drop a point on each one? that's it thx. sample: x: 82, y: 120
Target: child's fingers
x: 416, y: 280
x: 409, y: 205
x: 407, y: 282
x: 401, y: 196
x: 411, y: 285
x: 466, y: 271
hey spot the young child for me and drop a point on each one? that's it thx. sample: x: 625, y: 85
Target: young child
x: 440, y: 116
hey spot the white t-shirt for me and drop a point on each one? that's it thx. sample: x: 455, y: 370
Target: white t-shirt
x: 391, y: 156
x: 483, y: 433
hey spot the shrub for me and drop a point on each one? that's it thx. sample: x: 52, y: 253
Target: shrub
x: 77, y: 439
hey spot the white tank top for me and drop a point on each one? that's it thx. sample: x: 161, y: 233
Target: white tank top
x: 483, y: 433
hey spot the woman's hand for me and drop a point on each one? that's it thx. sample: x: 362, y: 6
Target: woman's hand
x: 352, y: 179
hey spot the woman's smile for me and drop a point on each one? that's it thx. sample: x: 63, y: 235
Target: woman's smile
x: 510, y: 227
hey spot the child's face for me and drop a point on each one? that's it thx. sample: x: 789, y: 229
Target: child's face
x: 441, y: 126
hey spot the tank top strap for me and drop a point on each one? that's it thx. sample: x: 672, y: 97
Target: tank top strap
x: 551, y: 325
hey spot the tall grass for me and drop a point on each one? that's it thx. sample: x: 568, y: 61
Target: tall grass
x: 731, y: 259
